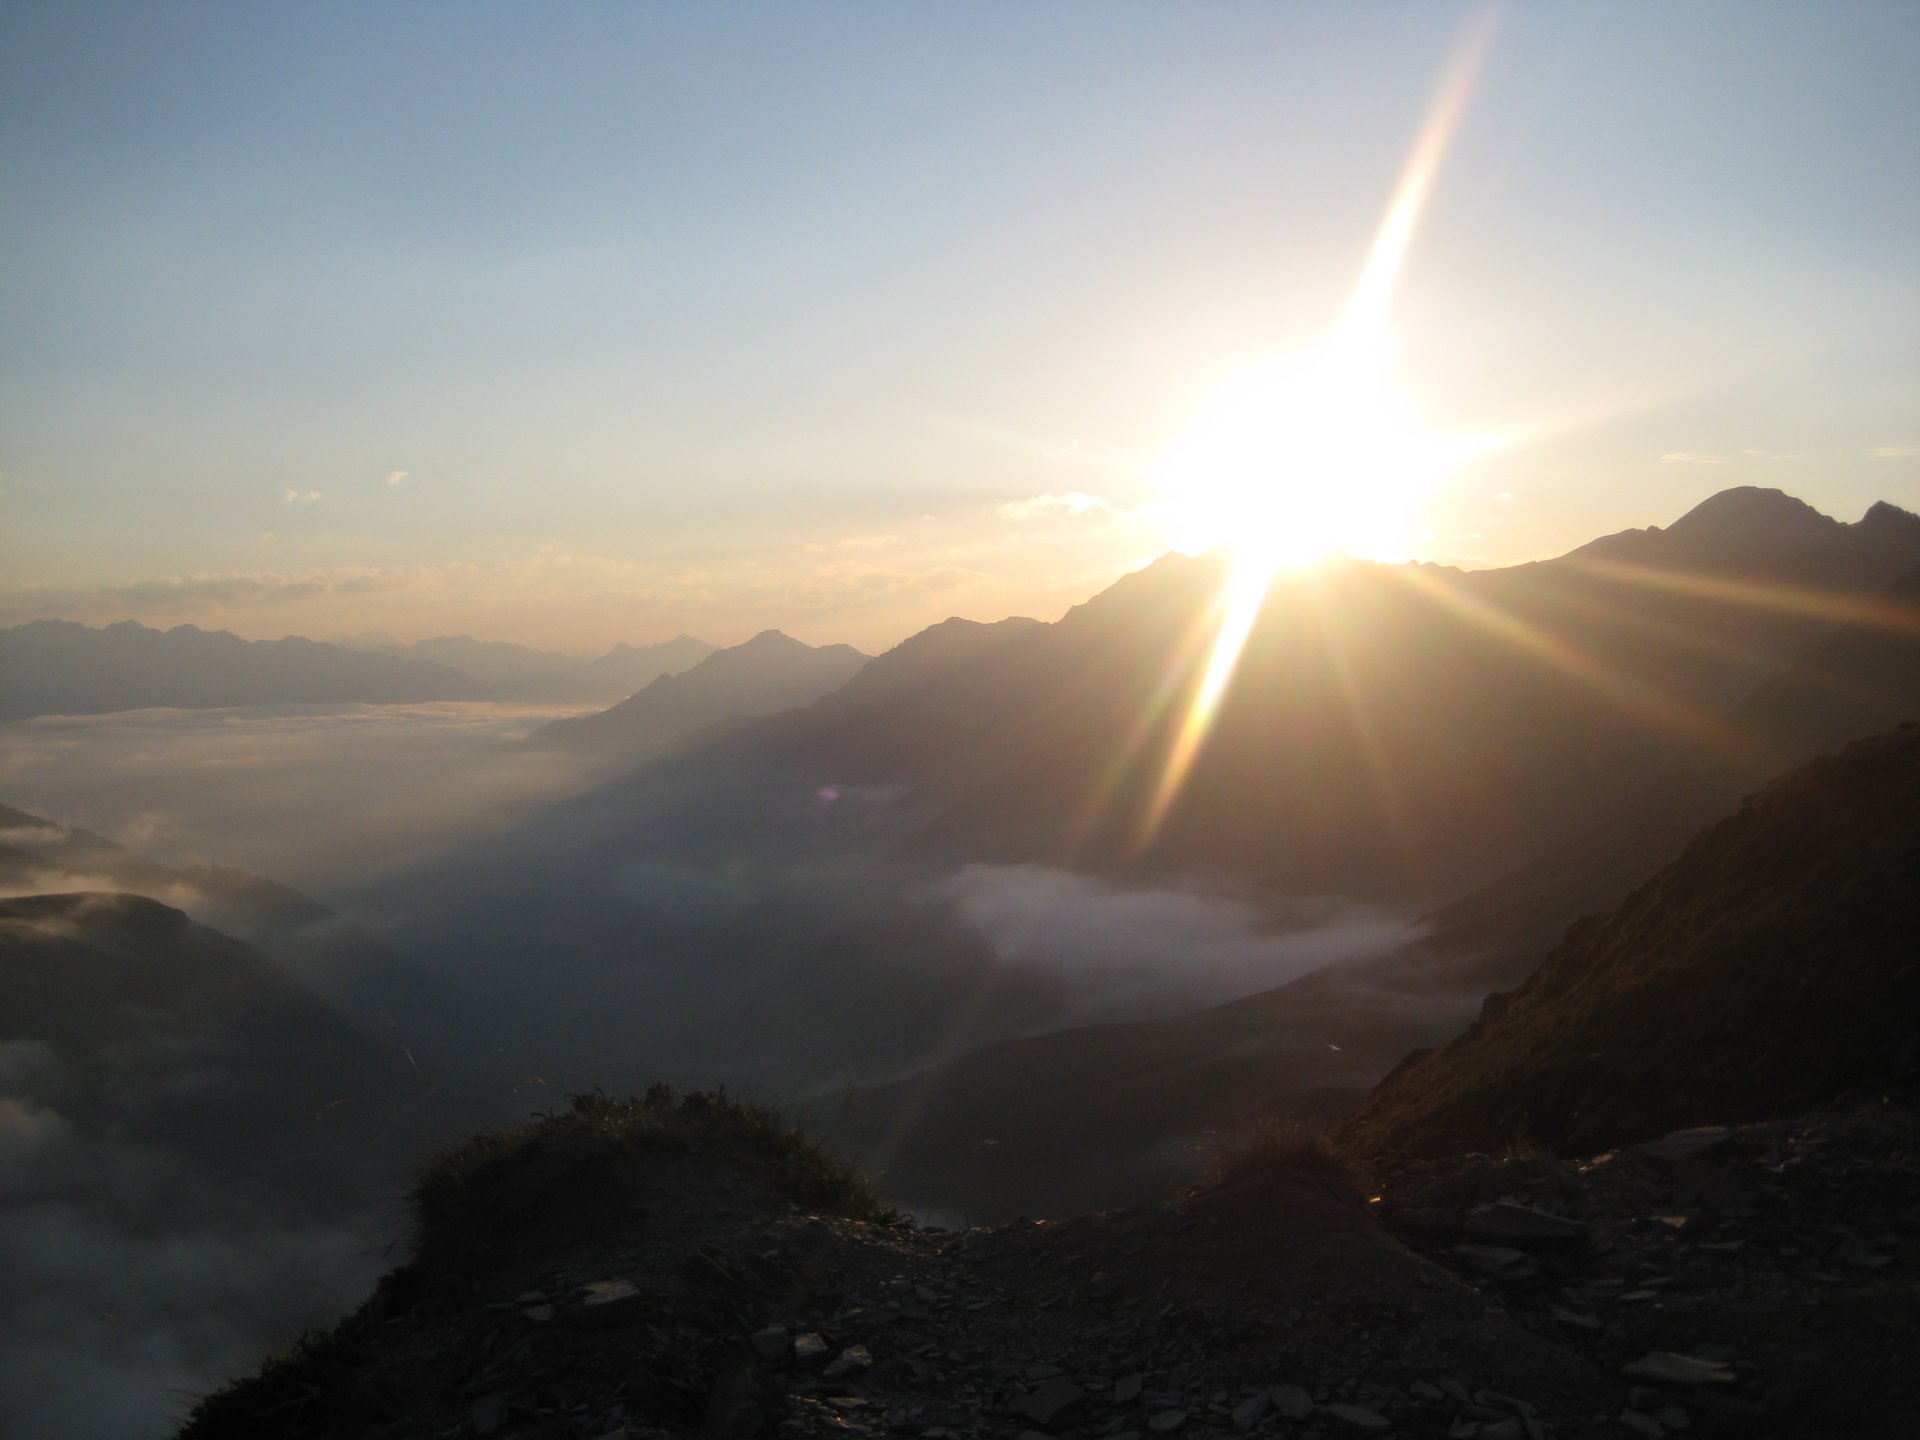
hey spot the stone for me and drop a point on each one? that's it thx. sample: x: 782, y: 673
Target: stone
x: 1490, y: 1259
x: 1674, y: 1417
x: 1576, y: 1319
x: 1166, y: 1422
x: 1291, y: 1401
x: 607, y: 1302
x: 1360, y: 1420
x: 1500, y: 1430
x: 1676, y: 1372
x: 1251, y: 1411
x: 1126, y: 1389
x: 1642, y: 1424
x: 850, y: 1361
x: 486, y: 1413
x: 1670, y: 1150
x: 809, y: 1349
x: 1504, y: 1223
x: 538, y: 1314
x: 771, y: 1343
x: 1703, y: 1184
x: 1052, y: 1403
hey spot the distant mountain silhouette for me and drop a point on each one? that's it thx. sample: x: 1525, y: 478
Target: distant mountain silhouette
x: 1773, y: 965
x: 1404, y: 732
x: 769, y: 673
x: 55, y: 667
x: 1411, y: 735
x: 509, y: 672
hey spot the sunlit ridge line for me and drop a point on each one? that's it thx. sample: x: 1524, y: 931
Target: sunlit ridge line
x: 1876, y: 611
x: 1622, y: 691
x: 1246, y: 593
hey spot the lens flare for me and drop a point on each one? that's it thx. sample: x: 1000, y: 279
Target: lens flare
x: 1294, y: 459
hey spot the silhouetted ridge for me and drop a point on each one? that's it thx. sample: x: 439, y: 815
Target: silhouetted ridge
x: 1771, y: 966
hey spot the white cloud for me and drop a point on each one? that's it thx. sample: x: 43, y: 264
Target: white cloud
x: 868, y: 542
x: 1066, y: 505
x: 1893, y: 452
x: 1689, y: 457
x: 302, y: 497
x: 395, y: 477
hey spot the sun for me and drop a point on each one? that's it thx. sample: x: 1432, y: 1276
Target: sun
x: 1296, y: 458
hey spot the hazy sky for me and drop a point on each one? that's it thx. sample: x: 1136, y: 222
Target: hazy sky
x: 572, y: 323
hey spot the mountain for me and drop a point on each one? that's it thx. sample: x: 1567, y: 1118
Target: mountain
x: 489, y: 662
x: 769, y: 673
x: 1047, y: 1102
x: 192, y: 1041
x: 1399, y: 732
x: 363, y: 980
x: 1458, y: 746
x: 55, y: 667
x: 1775, y: 964
x: 520, y: 673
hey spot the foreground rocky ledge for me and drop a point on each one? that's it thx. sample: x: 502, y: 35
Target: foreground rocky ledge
x: 1760, y: 1282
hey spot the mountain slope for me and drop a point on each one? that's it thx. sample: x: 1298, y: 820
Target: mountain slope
x: 375, y: 988
x: 55, y: 667
x: 1775, y: 963
x: 1399, y: 732
x: 769, y: 673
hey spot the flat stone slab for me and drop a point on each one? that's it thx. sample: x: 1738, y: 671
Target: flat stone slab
x: 606, y: 1302
x: 1663, y: 1367
x: 1670, y: 1150
x: 1521, y: 1226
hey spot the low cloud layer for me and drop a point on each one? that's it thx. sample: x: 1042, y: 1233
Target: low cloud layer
x: 1132, y: 951
x: 136, y: 1281
x: 324, y: 798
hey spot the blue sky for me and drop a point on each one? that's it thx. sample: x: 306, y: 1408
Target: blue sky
x: 575, y: 323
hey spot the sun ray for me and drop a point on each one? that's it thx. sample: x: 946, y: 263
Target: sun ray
x: 1292, y: 461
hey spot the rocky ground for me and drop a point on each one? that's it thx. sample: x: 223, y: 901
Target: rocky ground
x: 1753, y: 1283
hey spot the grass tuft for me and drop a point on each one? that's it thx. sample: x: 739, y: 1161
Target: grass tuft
x: 1275, y: 1147
x: 495, y: 1180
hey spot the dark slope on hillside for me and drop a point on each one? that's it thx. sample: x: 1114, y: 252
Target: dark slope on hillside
x: 769, y: 673
x: 378, y: 990
x: 54, y: 667
x: 1775, y: 963
x: 1045, y: 1104
x: 167, y: 1031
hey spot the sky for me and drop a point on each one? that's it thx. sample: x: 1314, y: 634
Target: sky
x: 584, y: 323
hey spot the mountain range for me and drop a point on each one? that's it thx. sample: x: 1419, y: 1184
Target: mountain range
x: 769, y: 673
x: 506, y: 671
x: 57, y: 667
x: 1497, y: 752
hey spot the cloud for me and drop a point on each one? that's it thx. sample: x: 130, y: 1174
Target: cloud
x: 1158, y: 949
x: 868, y: 542
x: 376, y: 787
x: 302, y: 497
x: 1066, y: 505
x: 396, y: 477
x: 1893, y: 452
x: 1690, y: 457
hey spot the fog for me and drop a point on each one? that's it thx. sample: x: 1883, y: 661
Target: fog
x: 324, y: 798
x: 1130, y: 952
x: 137, y: 1280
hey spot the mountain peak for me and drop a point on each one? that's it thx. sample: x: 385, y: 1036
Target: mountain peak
x: 1749, y: 513
x: 773, y: 640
